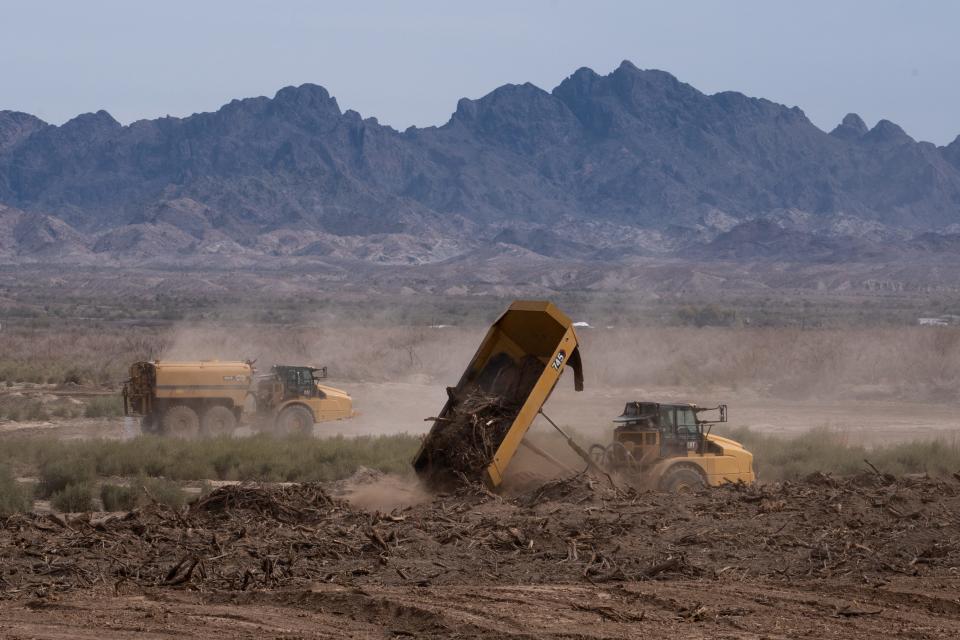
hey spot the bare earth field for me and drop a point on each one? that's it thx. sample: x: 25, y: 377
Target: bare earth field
x: 913, y: 608
x: 865, y: 557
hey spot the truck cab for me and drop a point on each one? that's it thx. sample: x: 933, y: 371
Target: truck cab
x: 656, y: 430
x: 295, y: 397
x: 297, y: 382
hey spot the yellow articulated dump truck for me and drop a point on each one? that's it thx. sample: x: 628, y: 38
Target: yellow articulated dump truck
x: 502, y: 390
x: 511, y: 376
x: 209, y: 398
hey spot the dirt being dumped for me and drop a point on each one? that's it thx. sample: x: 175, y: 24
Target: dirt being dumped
x: 373, y: 490
x: 466, y: 436
x: 872, y: 549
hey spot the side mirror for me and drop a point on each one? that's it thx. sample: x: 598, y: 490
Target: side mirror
x: 723, y: 413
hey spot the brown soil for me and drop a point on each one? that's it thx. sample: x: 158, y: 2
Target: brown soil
x: 869, y: 556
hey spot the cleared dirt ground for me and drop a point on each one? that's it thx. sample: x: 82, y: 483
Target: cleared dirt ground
x: 401, y: 407
x: 908, y: 608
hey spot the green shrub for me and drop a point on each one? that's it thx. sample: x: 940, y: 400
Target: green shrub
x: 73, y: 376
x: 57, y: 474
x: 61, y: 411
x: 262, y: 457
x: 34, y: 411
x: 117, y: 497
x: 165, y: 491
x: 829, y: 451
x: 14, y: 498
x: 104, y: 407
x: 206, y: 488
x: 73, y: 498
x: 141, y: 492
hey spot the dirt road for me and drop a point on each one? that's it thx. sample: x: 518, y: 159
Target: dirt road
x: 908, y: 608
x: 398, y: 407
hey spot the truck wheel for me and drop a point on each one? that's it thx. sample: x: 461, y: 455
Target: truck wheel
x: 682, y: 480
x: 295, y: 419
x: 217, y: 421
x: 148, y: 424
x: 180, y: 421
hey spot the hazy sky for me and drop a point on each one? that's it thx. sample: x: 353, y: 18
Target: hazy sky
x: 407, y: 62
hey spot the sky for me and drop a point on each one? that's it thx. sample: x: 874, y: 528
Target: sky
x: 408, y: 62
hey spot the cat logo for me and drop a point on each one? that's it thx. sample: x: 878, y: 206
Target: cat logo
x: 558, y: 361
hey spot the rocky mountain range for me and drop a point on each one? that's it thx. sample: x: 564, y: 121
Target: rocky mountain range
x: 603, y: 168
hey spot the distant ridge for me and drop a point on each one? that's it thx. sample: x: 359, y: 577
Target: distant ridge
x: 637, y: 162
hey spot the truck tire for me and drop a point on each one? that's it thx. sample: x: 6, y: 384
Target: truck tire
x: 148, y: 424
x: 295, y: 420
x: 180, y: 421
x: 217, y: 421
x: 682, y: 480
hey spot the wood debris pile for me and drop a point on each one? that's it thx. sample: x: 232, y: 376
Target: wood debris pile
x: 867, y: 528
x: 467, y: 436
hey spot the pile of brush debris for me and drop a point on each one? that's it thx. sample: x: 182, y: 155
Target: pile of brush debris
x: 478, y: 418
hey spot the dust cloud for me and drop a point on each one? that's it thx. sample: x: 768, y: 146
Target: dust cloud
x: 385, y: 493
x: 884, y: 383
x: 351, y: 352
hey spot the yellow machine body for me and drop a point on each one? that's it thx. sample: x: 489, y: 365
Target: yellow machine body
x: 202, y: 379
x: 324, y: 402
x: 528, y: 328
x: 336, y: 404
x: 651, y: 447
x: 732, y: 464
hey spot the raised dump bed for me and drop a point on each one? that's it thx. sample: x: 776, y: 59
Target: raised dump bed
x: 502, y: 390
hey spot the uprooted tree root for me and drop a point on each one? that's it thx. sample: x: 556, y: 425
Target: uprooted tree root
x: 469, y: 436
x: 247, y: 537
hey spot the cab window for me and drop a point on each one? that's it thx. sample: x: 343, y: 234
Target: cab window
x: 667, y: 423
x: 686, y: 420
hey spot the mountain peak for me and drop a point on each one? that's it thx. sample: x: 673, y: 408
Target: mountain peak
x: 886, y: 131
x: 578, y: 82
x: 627, y: 68
x: 8, y: 117
x: 16, y: 126
x: 852, y: 127
x: 468, y: 109
x: 306, y: 93
x: 100, y: 119
x: 952, y: 152
x: 627, y: 94
x: 307, y: 97
x: 522, y: 116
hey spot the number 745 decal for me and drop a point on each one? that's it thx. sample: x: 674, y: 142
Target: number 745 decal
x: 558, y: 360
